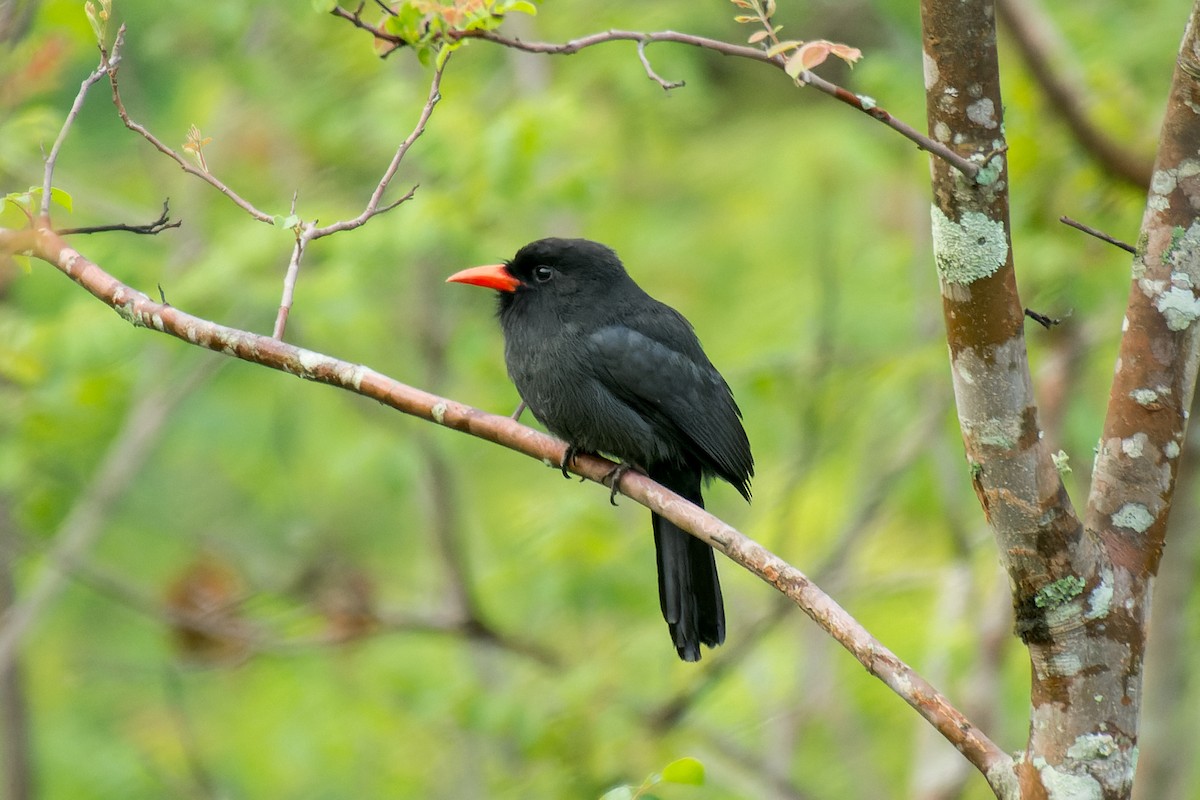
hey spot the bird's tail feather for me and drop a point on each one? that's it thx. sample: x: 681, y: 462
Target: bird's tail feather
x: 688, y: 589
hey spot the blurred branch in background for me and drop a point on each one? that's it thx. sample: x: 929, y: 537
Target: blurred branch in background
x: 1048, y: 58
x: 156, y: 400
x: 16, y: 750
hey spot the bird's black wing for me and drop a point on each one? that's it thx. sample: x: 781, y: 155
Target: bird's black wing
x: 655, y: 365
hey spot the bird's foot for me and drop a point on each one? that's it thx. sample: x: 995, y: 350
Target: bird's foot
x: 613, y: 478
x: 569, y: 459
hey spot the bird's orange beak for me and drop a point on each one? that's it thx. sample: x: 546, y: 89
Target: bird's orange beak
x: 493, y: 276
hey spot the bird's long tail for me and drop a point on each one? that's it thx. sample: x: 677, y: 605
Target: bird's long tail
x: 688, y: 589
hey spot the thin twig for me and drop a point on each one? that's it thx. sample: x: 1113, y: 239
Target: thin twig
x: 1041, y: 319
x: 654, y: 76
x: 1101, y: 235
x: 355, y: 19
x: 108, y: 63
x: 310, y: 231
x: 203, y: 175
x: 150, y: 229
x: 373, y: 207
x: 864, y: 104
x: 289, y: 284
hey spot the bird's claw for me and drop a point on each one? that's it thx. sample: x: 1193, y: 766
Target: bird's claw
x: 568, y: 459
x: 614, y: 480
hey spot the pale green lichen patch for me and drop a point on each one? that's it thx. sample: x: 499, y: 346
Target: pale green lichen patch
x: 1092, y: 746
x: 1144, y: 397
x: 1134, y: 516
x: 970, y: 249
x: 989, y: 172
x: 1179, y: 307
x: 866, y: 102
x: 1163, y: 181
x: 1100, y: 600
x: 1065, y: 786
x: 1062, y: 462
x: 1134, y: 445
x: 1171, y: 450
x: 1004, y: 432
x: 983, y: 113
x: 1059, y: 592
x: 1181, y: 254
x: 438, y: 412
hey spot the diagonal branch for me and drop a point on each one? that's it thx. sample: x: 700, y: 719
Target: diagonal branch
x: 202, y: 174
x: 108, y: 63
x: 138, y: 309
x: 867, y: 105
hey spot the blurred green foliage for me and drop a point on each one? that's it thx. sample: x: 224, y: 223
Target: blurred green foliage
x: 792, y: 231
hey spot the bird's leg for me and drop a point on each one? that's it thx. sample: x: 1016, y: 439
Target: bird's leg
x: 614, y: 478
x: 516, y: 415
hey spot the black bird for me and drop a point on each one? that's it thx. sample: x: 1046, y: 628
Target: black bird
x: 609, y: 369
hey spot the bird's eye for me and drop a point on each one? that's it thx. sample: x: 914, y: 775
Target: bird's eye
x: 542, y: 274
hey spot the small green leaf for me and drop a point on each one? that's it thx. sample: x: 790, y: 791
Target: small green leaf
x: 22, y: 200
x: 685, y: 770
x: 61, y: 198
x: 522, y: 7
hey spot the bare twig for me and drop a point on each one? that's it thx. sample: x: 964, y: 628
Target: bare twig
x: 1038, y: 41
x: 355, y: 19
x: 149, y: 229
x: 203, y: 175
x: 1041, y: 319
x: 309, y: 231
x: 108, y: 63
x: 141, y: 311
x: 654, y: 76
x: 864, y: 104
x: 289, y: 284
x: 1101, y: 235
x: 373, y: 207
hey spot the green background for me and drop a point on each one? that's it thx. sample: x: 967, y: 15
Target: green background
x: 791, y: 230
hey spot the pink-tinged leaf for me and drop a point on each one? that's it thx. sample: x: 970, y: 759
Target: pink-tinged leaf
x: 758, y: 36
x: 770, y: 8
x: 846, y: 53
x: 741, y: 3
x: 783, y: 47
x: 807, y: 57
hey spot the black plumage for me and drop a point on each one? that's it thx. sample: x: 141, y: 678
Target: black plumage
x: 611, y: 370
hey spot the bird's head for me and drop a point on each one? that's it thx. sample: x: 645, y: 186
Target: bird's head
x: 553, y: 274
